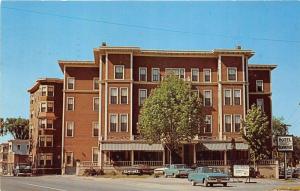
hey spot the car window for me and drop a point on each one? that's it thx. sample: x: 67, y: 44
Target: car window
x: 211, y: 170
x: 179, y: 166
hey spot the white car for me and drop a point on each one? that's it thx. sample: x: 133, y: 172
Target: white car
x: 160, y: 171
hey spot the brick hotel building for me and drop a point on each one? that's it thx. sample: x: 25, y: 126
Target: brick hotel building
x: 96, y: 107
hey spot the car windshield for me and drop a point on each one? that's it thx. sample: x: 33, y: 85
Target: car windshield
x: 211, y: 170
x: 180, y: 166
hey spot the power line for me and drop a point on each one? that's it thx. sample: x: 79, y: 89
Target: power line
x: 148, y: 27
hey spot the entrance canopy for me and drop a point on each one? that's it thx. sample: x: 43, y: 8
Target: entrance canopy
x: 131, y: 147
x: 222, y: 146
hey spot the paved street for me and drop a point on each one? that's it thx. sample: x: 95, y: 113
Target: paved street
x: 73, y: 183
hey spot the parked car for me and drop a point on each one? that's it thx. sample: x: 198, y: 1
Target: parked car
x: 138, y: 170
x: 289, y: 173
x: 22, y: 170
x: 160, y: 171
x: 296, y: 173
x: 177, y: 170
x: 208, y: 176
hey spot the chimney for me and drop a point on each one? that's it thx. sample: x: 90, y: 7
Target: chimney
x: 103, y: 43
x: 238, y: 47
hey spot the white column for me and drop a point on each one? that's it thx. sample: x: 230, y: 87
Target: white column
x: 225, y: 158
x: 132, y: 158
x: 195, y: 157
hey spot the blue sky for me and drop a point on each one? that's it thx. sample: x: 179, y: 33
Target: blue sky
x: 34, y: 35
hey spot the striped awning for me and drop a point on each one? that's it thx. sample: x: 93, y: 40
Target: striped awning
x: 131, y: 147
x: 222, y: 146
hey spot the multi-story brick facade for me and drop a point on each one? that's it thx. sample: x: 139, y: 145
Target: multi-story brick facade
x: 102, y: 100
x: 18, y: 153
x: 46, y: 100
x: 3, y: 158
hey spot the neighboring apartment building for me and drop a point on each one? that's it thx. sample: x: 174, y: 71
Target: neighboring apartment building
x: 3, y: 158
x: 18, y: 153
x: 45, y: 125
x: 102, y: 99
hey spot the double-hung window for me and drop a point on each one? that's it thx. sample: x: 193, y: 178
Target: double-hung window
x: 43, y: 107
x: 228, y: 123
x: 50, y: 106
x: 69, y: 128
x: 50, y: 91
x: 96, y: 104
x: 113, y: 95
x: 119, y: 72
x: 95, y: 154
x: 237, y: 123
x: 113, y: 122
x: 227, y: 97
x: 143, y: 74
x: 208, y: 124
x: 195, y: 74
x: 70, y: 83
x: 259, y: 86
x: 207, y: 75
x: 95, y: 129
x: 70, y: 103
x: 44, y: 90
x: 69, y: 158
x: 124, y: 95
x: 49, y: 141
x: 96, y: 83
x: 155, y: 74
x: 237, y: 97
x: 260, y: 103
x: 123, y: 122
x: 232, y: 74
x: 42, y: 123
x: 207, y: 98
x: 42, y: 141
x: 49, y: 124
x: 142, y: 96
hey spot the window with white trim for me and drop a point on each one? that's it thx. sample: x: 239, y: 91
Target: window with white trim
x: 123, y: 122
x: 44, y: 90
x: 227, y: 97
x: 180, y: 72
x: 119, y: 71
x: 195, y: 74
x: 207, y: 75
x: 43, y: 106
x: 42, y: 141
x: 113, y: 121
x: 42, y: 123
x: 228, y: 123
x: 49, y: 141
x: 237, y: 97
x: 49, y: 159
x: 69, y: 128
x: 50, y: 91
x: 49, y: 124
x: 70, y: 83
x: 237, y: 123
x: 42, y: 160
x: 69, y: 158
x: 113, y: 95
x: 95, y: 104
x: 207, y: 98
x: 155, y: 74
x: 95, y: 129
x: 142, y: 96
x: 260, y: 104
x: 46, y: 141
x: 232, y: 74
x: 45, y: 159
x: 143, y: 74
x: 50, y: 106
x: 208, y: 124
x: 96, y: 83
x: 95, y: 153
x: 70, y: 104
x: 124, y: 95
x: 259, y: 85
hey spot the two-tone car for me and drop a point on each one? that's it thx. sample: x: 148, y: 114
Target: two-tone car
x: 160, y: 171
x: 177, y: 170
x: 208, y: 176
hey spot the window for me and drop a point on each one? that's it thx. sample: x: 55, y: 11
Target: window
x: 50, y: 106
x: 49, y: 159
x: 44, y: 90
x: 227, y: 97
x: 113, y: 95
x: 195, y: 74
x: 43, y: 107
x: 50, y: 91
x: 19, y: 147
x: 70, y: 83
x: 70, y: 103
x: 70, y: 128
x: 259, y: 86
x: 113, y: 123
x: 208, y: 126
x: 207, y: 75
x: 42, y: 123
x: 96, y: 104
x: 124, y: 122
x: 142, y: 96
x: 124, y: 95
x: 227, y: 122
x: 232, y: 75
x: 49, y: 141
x: 237, y: 97
x: 69, y: 158
x: 175, y: 71
x: 155, y: 75
x: 119, y: 72
x: 49, y: 124
x: 42, y: 141
x: 96, y: 83
x: 207, y: 98
x: 95, y: 129
x: 95, y: 154
x: 42, y: 160
x: 142, y: 74
x: 237, y: 123
x: 260, y: 104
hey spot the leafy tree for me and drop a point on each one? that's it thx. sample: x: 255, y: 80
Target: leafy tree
x: 172, y: 114
x: 17, y: 127
x: 278, y: 128
x: 296, y: 153
x: 257, y: 133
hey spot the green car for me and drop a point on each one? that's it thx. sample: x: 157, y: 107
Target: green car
x: 177, y: 170
x: 208, y: 176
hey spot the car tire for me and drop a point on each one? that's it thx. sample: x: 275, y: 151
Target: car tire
x: 224, y: 184
x: 193, y: 183
x: 205, y: 183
